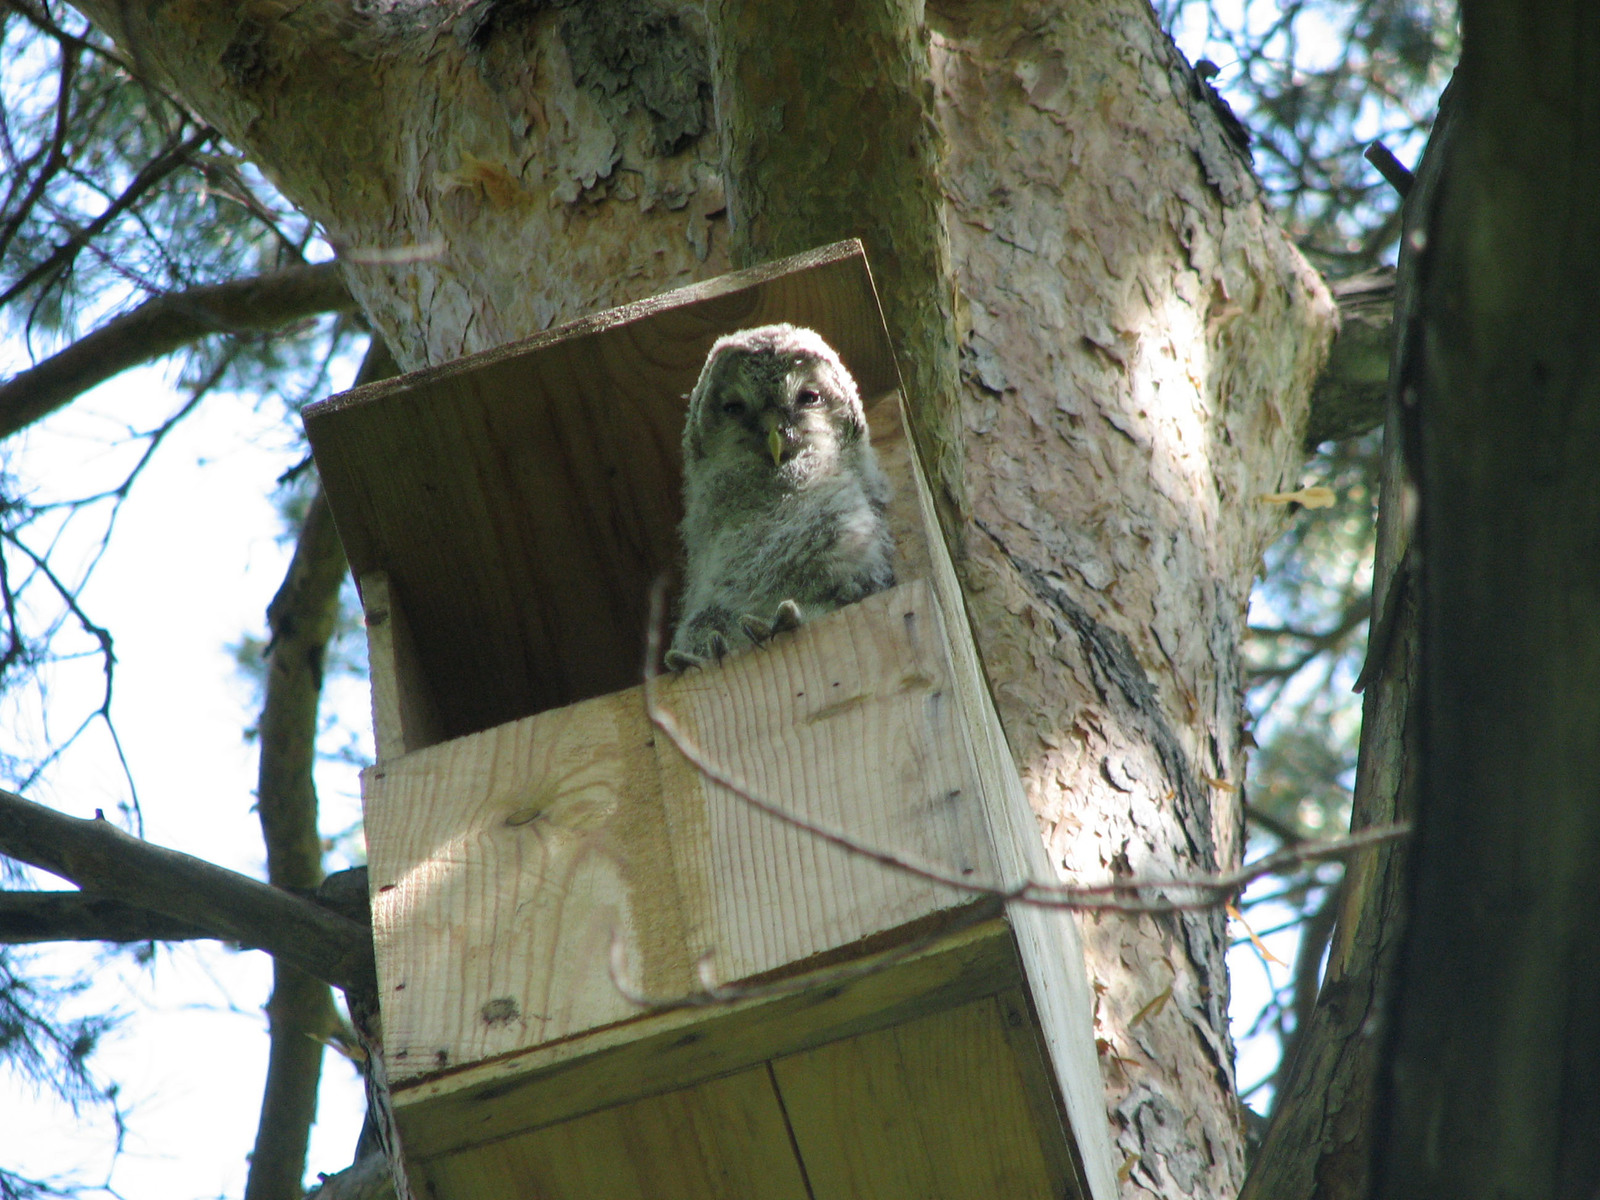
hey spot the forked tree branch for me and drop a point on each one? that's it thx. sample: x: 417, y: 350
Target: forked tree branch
x: 102, y: 859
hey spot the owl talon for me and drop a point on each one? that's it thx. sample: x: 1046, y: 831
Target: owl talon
x: 786, y: 618
x: 761, y: 631
x: 677, y: 661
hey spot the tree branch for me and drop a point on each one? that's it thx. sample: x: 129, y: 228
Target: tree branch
x: 300, y: 1012
x: 1349, y: 394
x: 100, y: 858
x: 162, y: 325
x: 32, y: 917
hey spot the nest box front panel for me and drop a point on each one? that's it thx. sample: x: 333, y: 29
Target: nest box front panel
x: 564, y: 872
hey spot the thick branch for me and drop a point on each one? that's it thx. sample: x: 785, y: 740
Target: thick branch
x: 100, y: 858
x: 1349, y: 394
x: 162, y: 325
x: 300, y: 1013
x: 28, y: 917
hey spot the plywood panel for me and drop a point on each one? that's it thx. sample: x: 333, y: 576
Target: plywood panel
x: 667, y: 1050
x: 523, y: 500
x: 502, y: 866
x: 934, y: 1109
x: 723, y: 1140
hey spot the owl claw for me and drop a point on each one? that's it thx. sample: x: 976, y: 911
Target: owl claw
x: 678, y: 661
x: 714, y: 645
x: 761, y: 631
x: 786, y: 618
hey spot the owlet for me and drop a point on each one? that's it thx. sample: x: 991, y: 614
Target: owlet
x: 783, y: 498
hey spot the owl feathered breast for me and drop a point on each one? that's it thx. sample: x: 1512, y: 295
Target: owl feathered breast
x: 784, y: 501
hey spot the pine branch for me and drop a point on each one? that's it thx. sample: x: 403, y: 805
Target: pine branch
x: 167, y: 323
x: 61, y: 258
x: 100, y: 858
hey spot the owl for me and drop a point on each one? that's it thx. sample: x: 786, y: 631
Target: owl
x: 783, y: 499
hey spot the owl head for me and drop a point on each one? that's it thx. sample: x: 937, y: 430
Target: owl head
x: 774, y: 400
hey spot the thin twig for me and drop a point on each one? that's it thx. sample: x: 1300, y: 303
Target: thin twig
x: 152, y: 173
x: 1121, y: 895
x: 54, y: 158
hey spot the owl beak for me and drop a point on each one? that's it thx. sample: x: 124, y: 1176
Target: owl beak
x: 775, y: 445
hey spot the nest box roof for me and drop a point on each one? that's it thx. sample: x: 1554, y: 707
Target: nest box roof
x: 523, y: 500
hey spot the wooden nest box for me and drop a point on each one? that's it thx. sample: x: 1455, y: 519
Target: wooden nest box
x: 555, y: 884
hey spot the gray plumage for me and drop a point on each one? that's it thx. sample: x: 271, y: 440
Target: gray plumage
x: 783, y: 498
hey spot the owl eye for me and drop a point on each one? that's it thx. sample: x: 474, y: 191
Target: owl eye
x: 808, y: 397
x: 733, y: 408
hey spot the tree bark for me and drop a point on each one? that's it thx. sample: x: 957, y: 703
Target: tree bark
x: 1491, y: 1083
x: 534, y: 164
x: 1138, y: 342
x: 1134, y: 341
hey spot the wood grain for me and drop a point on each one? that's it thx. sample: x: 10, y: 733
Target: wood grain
x: 664, y: 1051
x: 523, y: 500
x: 723, y: 1140
x: 850, y: 726
x: 502, y: 866
x: 505, y: 863
x: 932, y: 1109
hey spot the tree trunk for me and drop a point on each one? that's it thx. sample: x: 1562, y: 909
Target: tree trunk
x: 1108, y: 344
x: 1139, y: 343
x: 1492, y: 1086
